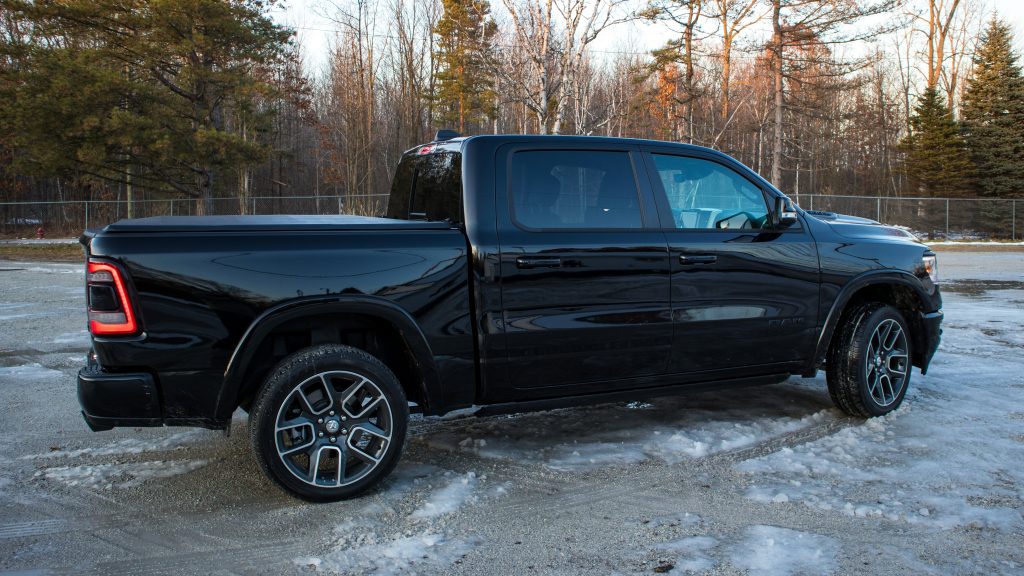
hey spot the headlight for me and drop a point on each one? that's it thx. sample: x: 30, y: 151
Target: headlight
x: 931, y: 266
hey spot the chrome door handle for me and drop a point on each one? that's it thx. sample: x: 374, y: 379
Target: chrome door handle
x: 538, y: 262
x: 703, y: 259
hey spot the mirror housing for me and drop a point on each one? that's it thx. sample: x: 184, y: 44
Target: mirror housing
x: 783, y: 213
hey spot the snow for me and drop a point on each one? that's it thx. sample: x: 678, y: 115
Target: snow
x: 691, y: 554
x: 81, y: 337
x: 366, y: 544
x: 129, y: 446
x: 419, y: 554
x: 450, y: 498
x: 670, y: 430
x: 32, y: 371
x: 116, y: 476
x: 949, y: 457
x: 774, y: 551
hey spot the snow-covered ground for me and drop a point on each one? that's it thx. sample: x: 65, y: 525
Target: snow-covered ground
x: 769, y: 480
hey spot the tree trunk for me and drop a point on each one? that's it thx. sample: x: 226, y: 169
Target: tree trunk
x: 779, y: 95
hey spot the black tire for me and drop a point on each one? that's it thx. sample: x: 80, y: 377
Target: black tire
x: 296, y: 421
x: 867, y: 377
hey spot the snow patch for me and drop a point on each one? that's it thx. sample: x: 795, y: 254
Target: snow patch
x: 33, y: 371
x: 671, y: 430
x: 128, y: 446
x: 80, y: 337
x: 425, y: 553
x: 450, y: 498
x: 691, y: 554
x: 115, y: 476
x: 773, y: 551
x: 947, y: 458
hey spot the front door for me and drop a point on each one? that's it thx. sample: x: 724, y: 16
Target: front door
x: 743, y: 295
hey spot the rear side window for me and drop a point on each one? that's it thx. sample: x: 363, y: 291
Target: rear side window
x: 708, y: 195
x: 427, y: 187
x: 574, y: 189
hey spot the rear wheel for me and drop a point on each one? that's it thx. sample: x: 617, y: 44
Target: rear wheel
x: 329, y: 422
x: 869, y: 363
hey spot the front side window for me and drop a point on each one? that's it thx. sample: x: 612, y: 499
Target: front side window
x: 708, y: 195
x: 574, y: 189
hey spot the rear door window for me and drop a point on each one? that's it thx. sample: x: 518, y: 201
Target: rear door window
x: 558, y: 189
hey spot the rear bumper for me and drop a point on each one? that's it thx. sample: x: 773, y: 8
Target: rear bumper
x: 932, y: 323
x: 110, y: 400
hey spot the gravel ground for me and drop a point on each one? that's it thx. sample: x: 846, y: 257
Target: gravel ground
x: 770, y: 480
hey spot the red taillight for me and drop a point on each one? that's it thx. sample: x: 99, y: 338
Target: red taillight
x: 112, y: 322
x: 426, y: 149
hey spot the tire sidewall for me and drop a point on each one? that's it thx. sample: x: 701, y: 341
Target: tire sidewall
x: 299, y: 367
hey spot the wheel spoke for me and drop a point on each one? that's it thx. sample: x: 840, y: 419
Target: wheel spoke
x: 329, y: 390
x: 883, y: 337
x: 296, y: 422
x: 297, y: 448
x: 872, y: 381
x: 350, y: 392
x: 885, y: 382
x: 362, y: 454
x: 372, y: 429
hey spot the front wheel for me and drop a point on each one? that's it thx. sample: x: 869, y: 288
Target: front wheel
x: 329, y: 422
x: 869, y: 362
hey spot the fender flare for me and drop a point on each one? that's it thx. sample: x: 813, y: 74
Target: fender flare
x: 362, y: 305
x: 870, y: 278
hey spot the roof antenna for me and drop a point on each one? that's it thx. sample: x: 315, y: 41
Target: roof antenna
x: 443, y: 135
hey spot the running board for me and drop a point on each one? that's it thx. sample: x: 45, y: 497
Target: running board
x: 624, y: 395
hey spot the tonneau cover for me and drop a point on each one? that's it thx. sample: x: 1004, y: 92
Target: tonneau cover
x: 269, y: 223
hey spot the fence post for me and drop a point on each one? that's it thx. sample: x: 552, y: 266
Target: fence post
x: 812, y: 201
x: 86, y: 215
x: 1013, y: 219
x: 878, y: 209
x: 947, y: 218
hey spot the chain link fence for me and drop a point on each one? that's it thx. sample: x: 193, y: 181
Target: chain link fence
x: 934, y: 218
x: 23, y: 219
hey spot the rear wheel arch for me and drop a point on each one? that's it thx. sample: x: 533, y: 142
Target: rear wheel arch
x: 378, y: 327
x: 898, y: 289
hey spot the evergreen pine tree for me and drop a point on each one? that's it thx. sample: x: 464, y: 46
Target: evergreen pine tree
x: 119, y: 90
x: 936, y: 163
x: 464, y: 91
x: 992, y: 115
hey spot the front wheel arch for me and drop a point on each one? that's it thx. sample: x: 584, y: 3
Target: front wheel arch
x: 900, y: 290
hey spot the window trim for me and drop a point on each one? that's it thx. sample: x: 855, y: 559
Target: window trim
x: 667, y: 221
x: 635, y: 162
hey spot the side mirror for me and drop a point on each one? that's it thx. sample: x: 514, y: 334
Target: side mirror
x: 784, y: 213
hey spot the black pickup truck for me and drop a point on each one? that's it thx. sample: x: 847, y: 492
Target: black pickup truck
x: 511, y: 273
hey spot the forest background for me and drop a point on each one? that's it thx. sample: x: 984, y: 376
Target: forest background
x: 213, y: 103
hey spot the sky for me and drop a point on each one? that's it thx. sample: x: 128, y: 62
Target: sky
x: 315, y: 30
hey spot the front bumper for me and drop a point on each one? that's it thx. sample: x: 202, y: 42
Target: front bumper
x: 932, y: 324
x: 110, y: 400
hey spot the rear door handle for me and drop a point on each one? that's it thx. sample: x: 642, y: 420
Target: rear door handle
x: 538, y: 262
x: 702, y: 259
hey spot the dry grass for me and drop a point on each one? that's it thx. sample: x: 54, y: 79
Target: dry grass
x: 42, y: 252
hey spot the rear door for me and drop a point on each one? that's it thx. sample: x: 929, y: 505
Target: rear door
x: 584, y: 269
x: 743, y: 295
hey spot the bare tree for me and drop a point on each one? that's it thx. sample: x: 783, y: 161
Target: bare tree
x: 734, y: 16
